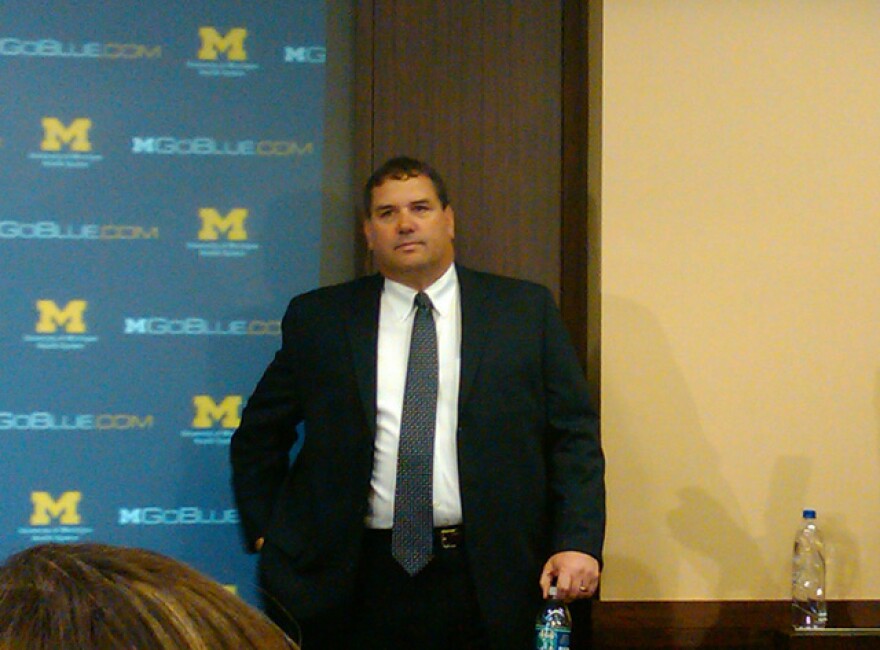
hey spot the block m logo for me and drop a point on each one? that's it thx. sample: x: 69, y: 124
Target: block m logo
x: 56, y: 135
x: 208, y: 412
x: 51, y: 317
x: 232, y: 44
x: 232, y: 225
x: 63, y: 509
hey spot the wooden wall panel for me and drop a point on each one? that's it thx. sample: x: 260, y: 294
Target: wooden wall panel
x: 475, y: 89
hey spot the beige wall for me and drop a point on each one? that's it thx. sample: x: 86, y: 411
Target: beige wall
x: 740, y: 211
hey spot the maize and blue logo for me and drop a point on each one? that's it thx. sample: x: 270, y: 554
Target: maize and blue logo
x: 222, y: 235
x: 177, y: 516
x: 214, y: 422
x: 66, y: 145
x: 55, y: 519
x: 61, y: 327
x: 222, y: 55
x: 52, y: 48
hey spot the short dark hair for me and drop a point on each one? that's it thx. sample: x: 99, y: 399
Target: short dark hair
x: 401, y: 168
x: 90, y: 595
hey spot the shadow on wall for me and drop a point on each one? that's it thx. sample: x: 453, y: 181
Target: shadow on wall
x: 679, y: 512
x: 676, y: 496
x: 690, y: 523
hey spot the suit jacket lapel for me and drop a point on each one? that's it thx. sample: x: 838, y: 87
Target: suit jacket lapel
x: 363, y: 334
x: 475, y: 328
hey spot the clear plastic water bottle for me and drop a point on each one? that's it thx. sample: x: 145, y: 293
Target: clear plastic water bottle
x: 553, y: 624
x: 808, y: 607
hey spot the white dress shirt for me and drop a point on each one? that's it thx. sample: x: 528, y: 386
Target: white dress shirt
x: 396, y: 315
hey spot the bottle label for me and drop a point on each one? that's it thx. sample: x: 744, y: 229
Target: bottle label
x: 549, y: 638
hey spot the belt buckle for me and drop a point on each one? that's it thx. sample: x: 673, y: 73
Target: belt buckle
x: 448, y: 538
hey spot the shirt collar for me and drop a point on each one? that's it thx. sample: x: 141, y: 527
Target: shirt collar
x: 442, y: 293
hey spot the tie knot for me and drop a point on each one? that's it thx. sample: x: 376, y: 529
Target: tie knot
x: 422, y: 301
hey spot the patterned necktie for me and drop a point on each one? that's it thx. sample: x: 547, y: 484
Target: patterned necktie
x: 412, y: 533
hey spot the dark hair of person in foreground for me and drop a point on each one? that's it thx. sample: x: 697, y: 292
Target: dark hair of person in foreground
x: 91, y: 596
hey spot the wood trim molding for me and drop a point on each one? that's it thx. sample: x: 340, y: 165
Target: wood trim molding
x: 575, y: 196
x: 580, y: 267
x: 762, y: 624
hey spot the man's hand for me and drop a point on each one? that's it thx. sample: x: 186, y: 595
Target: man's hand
x: 576, y: 574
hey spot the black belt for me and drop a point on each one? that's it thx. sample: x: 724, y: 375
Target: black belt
x: 445, y: 537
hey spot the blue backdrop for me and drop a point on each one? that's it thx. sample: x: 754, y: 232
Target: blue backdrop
x: 160, y: 173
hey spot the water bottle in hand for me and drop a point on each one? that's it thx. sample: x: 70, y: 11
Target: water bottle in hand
x: 553, y: 624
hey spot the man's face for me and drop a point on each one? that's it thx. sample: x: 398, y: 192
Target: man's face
x: 409, y: 232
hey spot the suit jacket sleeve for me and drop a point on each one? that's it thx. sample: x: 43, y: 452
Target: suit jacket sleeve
x: 575, y: 462
x: 260, y: 448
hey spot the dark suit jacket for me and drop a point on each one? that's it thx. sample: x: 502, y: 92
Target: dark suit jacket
x: 530, y: 464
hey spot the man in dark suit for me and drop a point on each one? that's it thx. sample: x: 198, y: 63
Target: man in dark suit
x: 517, y: 480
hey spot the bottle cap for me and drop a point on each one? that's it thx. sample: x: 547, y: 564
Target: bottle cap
x: 551, y: 592
x: 809, y: 514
